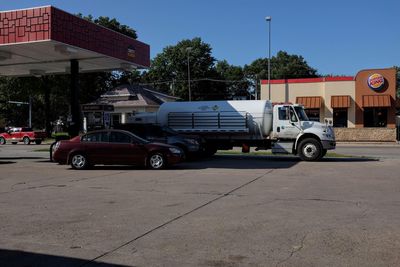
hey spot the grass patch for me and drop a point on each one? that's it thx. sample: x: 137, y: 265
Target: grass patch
x: 41, y: 150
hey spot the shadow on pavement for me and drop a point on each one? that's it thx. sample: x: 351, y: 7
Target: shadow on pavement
x: 238, y: 162
x: 6, y: 162
x: 17, y: 258
x: 19, y: 158
x: 349, y: 159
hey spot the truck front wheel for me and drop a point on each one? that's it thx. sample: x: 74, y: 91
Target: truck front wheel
x: 2, y: 141
x: 310, y: 150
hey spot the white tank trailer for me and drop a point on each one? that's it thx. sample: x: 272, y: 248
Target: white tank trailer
x: 284, y: 128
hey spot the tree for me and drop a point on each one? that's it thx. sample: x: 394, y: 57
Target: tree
x: 111, y: 24
x: 169, y: 71
x: 235, y: 81
x: 283, y: 66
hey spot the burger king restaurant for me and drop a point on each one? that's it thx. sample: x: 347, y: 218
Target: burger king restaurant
x: 366, y: 101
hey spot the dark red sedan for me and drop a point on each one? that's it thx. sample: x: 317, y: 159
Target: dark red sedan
x: 114, y: 147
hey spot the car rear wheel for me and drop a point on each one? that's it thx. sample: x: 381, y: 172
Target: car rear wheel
x: 79, y: 162
x: 157, y: 161
x: 2, y: 141
x: 26, y: 140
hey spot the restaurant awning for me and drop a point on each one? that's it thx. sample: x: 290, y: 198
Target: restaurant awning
x: 371, y: 101
x: 340, y: 101
x: 309, y: 101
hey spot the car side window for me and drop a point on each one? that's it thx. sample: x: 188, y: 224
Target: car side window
x: 117, y: 137
x: 95, y: 137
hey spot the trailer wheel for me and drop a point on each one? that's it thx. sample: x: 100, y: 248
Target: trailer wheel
x: 310, y: 150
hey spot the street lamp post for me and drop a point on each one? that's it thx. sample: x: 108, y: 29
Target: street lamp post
x: 188, y: 49
x: 268, y: 19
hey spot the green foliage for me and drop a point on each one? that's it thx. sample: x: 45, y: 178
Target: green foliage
x: 283, y: 66
x: 235, y: 79
x: 169, y: 71
x: 111, y: 24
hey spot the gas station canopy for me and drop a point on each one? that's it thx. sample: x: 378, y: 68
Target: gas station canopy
x: 43, y: 40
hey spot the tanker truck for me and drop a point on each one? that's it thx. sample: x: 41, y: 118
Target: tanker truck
x: 283, y: 128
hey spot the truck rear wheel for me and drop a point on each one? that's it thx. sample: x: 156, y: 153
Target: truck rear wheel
x: 310, y: 150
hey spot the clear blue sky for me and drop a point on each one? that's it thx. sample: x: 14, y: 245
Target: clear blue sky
x: 335, y: 37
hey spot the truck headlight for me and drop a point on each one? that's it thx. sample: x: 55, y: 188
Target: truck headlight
x: 175, y: 150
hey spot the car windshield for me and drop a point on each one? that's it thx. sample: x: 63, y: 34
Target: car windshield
x: 301, y: 113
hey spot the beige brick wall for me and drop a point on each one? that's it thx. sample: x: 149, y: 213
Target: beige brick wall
x: 365, y: 134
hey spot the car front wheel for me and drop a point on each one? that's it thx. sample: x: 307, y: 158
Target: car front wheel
x: 157, y: 161
x: 26, y: 140
x: 79, y: 162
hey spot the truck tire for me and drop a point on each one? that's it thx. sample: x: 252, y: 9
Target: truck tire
x: 26, y: 140
x: 210, y: 151
x: 2, y: 141
x: 310, y: 150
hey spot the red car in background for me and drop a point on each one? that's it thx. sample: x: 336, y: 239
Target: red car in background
x: 21, y: 134
x: 116, y: 147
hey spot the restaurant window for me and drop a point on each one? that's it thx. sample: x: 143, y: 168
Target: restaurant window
x: 375, y: 117
x: 340, y: 117
x: 312, y: 114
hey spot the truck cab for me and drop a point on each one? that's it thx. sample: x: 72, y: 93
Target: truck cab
x: 294, y: 133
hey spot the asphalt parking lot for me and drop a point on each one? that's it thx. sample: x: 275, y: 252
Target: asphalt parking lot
x: 228, y: 210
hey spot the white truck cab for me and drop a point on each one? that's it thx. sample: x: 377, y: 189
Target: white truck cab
x: 292, y: 130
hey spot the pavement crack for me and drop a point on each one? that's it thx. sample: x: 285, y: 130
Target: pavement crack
x: 319, y: 199
x: 177, y: 218
x: 295, y: 249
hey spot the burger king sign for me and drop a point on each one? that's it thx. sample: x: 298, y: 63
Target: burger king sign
x: 376, y: 81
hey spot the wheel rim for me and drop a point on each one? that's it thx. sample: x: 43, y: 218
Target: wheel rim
x: 78, y: 161
x: 309, y: 150
x: 2, y: 141
x: 156, y: 161
x: 26, y: 141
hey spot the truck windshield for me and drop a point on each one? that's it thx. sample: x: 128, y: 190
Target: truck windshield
x: 301, y: 113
